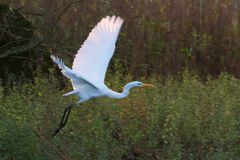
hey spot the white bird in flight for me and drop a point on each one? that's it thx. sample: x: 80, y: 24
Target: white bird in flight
x: 90, y: 64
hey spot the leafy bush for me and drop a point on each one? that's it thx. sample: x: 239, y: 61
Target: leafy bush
x: 178, y: 119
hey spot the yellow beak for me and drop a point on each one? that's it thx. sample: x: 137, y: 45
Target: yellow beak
x: 147, y: 85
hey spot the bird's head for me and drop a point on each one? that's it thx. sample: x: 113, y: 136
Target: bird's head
x: 137, y: 84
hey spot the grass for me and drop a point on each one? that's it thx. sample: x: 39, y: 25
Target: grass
x: 181, y: 118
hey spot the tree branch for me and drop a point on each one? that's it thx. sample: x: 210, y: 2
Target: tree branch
x: 63, y: 11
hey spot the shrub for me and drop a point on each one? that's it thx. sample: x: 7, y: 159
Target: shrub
x: 178, y: 119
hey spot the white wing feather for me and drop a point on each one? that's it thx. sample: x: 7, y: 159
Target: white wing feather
x: 92, y: 59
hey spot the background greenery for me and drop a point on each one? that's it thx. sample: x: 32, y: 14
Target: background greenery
x: 185, y: 119
x: 188, y: 49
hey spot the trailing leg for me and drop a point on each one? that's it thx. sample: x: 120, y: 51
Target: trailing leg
x: 64, y: 119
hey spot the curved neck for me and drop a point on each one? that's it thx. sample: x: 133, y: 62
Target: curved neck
x: 124, y: 94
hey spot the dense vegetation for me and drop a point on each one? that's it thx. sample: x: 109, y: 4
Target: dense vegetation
x: 188, y: 49
x: 158, y: 36
x: 184, y: 119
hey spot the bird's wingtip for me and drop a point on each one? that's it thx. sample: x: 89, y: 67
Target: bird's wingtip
x: 114, y: 17
x: 52, y: 56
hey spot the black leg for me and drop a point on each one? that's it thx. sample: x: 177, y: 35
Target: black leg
x: 64, y: 119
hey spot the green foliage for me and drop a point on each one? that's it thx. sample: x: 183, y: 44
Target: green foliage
x: 178, y: 119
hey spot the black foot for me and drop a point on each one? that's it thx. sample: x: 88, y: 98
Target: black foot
x: 64, y: 119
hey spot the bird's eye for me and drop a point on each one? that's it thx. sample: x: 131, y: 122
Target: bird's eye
x: 139, y: 83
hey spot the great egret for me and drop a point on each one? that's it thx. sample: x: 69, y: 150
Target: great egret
x: 90, y: 65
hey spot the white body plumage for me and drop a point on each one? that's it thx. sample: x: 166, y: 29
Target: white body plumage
x: 91, y: 61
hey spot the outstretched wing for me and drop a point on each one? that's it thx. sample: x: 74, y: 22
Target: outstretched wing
x: 92, y: 59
